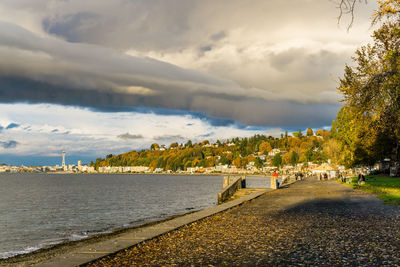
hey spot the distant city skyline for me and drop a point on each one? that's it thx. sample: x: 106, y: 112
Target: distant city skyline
x: 100, y: 77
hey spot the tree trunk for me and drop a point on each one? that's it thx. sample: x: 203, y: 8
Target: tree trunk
x: 395, y: 164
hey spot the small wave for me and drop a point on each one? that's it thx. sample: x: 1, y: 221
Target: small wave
x: 8, y: 254
x: 75, y: 237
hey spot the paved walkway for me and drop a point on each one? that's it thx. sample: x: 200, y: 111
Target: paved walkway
x: 310, y: 223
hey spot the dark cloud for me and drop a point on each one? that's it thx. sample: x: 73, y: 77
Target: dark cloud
x: 68, y: 25
x: 207, y: 134
x: 12, y: 125
x: 144, y: 20
x: 220, y: 111
x: 8, y: 144
x: 169, y: 137
x: 240, y: 83
x: 206, y: 48
x: 218, y: 36
x: 128, y: 136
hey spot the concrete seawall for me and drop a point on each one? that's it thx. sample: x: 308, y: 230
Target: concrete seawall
x: 231, y: 184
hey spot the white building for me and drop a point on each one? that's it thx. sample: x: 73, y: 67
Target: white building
x: 273, y: 152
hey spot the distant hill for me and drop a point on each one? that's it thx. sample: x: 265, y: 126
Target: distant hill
x: 259, y: 150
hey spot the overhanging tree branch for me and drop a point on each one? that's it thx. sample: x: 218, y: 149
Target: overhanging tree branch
x: 346, y: 7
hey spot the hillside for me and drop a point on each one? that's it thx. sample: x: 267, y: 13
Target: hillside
x: 257, y: 151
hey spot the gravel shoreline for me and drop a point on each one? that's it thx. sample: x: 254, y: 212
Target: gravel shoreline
x: 310, y: 223
x: 40, y: 255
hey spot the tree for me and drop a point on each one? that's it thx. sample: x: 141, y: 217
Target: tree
x: 332, y: 149
x: 258, y: 163
x: 237, y: 163
x: 323, y: 133
x: 205, y: 142
x: 277, y: 160
x: 243, y: 147
x: 265, y: 147
x: 294, y: 158
x: 387, y: 9
x: 346, y: 7
x: 371, y: 89
x: 310, y: 132
x: 189, y: 143
x: 154, y: 146
x: 298, y: 134
x: 153, y: 165
x: 224, y: 160
x: 173, y: 145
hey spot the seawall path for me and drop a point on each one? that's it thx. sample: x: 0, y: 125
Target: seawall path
x: 308, y: 223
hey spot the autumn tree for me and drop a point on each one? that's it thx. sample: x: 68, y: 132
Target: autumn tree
x: 298, y: 134
x: 388, y: 9
x: 372, y: 88
x: 323, y: 133
x: 154, y: 146
x: 173, y: 145
x: 205, y: 142
x: 237, y: 162
x: 310, y: 132
x: 265, y: 147
x: 332, y: 149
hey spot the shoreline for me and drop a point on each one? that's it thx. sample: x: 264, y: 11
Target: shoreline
x: 49, y: 251
x: 69, y: 253
x: 143, y: 173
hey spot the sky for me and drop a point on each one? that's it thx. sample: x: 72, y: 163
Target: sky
x: 97, y: 77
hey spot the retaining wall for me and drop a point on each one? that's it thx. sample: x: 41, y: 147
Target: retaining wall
x: 231, y: 184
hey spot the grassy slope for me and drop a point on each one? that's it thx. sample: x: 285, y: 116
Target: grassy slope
x: 386, y: 188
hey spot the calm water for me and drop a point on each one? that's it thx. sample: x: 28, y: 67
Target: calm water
x: 38, y: 210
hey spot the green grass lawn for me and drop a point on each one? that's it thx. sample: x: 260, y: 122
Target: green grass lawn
x: 386, y: 188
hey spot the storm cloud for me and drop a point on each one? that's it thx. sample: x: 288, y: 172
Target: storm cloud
x: 224, y: 61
